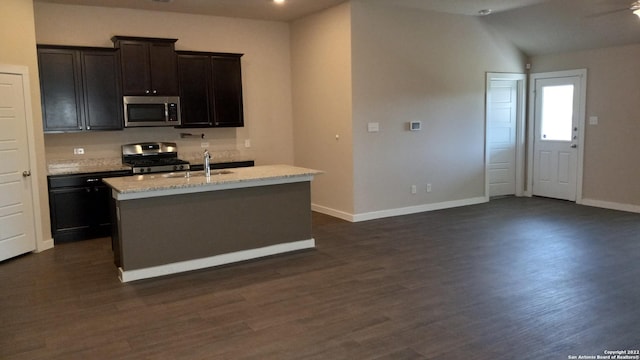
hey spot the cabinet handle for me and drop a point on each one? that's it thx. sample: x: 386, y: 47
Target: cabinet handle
x: 92, y: 180
x: 155, y: 91
x: 146, y: 91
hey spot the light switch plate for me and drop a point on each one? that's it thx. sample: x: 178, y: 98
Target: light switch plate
x: 373, y: 127
x: 78, y: 151
x: 593, y: 120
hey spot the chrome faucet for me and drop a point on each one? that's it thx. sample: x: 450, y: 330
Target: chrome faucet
x: 207, y: 163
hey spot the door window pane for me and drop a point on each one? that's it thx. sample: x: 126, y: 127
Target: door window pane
x: 557, y: 113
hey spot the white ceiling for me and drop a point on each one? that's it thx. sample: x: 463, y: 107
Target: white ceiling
x: 535, y: 26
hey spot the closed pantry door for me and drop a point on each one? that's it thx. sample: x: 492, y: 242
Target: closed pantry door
x: 505, y: 136
x: 17, y: 230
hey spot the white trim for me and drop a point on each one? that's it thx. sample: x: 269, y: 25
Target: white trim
x: 520, y: 130
x: 198, y: 188
x: 398, y: 211
x: 611, y: 205
x: 582, y: 74
x: 23, y: 71
x: 217, y: 260
x: 332, y: 212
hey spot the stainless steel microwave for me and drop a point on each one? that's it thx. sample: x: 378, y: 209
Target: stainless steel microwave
x: 151, y: 111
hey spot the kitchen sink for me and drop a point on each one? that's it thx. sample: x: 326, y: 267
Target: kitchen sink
x: 174, y: 175
x: 185, y: 174
x: 221, y: 172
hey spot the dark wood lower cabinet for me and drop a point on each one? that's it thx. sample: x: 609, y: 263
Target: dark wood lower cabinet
x: 79, y: 206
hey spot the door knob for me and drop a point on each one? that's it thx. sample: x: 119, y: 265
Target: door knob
x: 26, y: 173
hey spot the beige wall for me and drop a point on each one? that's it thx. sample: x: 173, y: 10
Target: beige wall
x: 430, y: 67
x: 265, y: 70
x: 359, y: 63
x: 611, y: 167
x: 321, y: 68
x: 17, y: 47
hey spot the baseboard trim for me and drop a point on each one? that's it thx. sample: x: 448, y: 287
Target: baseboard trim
x: 212, y: 261
x: 399, y: 211
x: 611, y: 205
x: 44, y: 245
x: 332, y: 212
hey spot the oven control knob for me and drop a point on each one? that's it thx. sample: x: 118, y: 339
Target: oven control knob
x: 141, y: 170
x: 148, y: 169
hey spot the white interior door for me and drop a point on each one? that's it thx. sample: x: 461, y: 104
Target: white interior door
x: 502, y: 118
x: 557, y: 135
x: 17, y: 232
x: 505, y: 134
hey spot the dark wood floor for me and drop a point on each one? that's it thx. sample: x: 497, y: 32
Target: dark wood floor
x: 512, y: 279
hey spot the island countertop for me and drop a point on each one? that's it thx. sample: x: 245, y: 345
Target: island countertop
x: 164, y: 184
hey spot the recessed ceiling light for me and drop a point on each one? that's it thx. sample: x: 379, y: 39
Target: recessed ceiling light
x: 279, y: 1
x: 484, y: 12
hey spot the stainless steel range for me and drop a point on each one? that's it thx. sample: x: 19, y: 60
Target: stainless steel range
x: 153, y: 157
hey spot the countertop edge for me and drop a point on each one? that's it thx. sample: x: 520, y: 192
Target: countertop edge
x: 127, y: 188
x: 208, y: 187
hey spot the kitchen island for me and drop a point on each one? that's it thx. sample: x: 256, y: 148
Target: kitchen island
x: 175, y: 222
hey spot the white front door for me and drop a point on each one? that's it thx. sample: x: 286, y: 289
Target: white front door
x: 558, y: 120
x: 502, y: 118
x: 17, y: 232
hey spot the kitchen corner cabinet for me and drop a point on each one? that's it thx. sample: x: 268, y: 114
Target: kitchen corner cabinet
x: 79, y: 206
x: 148, y: 65
x: 80, y: 88
x: 210, y: 89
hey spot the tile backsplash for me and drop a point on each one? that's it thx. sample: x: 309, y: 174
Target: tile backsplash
x: 222, y: 143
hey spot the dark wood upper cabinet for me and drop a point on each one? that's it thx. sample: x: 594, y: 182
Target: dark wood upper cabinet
x: 210, y: 89
x: 148, y: 65
x: 80, y: 88
x: 194, y: 78
x: 227, y: 91
x: 102, y: 94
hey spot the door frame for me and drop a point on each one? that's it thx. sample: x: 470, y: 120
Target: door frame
x: 582, y: 74
x: 521, y: 80
x: 23, y: 72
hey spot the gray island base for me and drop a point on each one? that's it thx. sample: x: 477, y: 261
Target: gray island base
x: 167, y: 224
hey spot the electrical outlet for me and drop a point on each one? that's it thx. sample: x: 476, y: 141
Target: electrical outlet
x: 247, y: 143
x: 204, y: 144
x: 428, y: 187
x: 78, y: 151
x: 414, y: 189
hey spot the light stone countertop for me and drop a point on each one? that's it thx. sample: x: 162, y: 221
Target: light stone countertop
x: 70, y: 167
x: 82, y: 166
x: 163, y: 184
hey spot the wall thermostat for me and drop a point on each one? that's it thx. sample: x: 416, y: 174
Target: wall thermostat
x: 415, y: 125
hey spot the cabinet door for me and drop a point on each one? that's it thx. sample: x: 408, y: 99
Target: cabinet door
x: 134, y: 59
x: 227, y: 91
x: 71, y: 215
x: 163, y: 68
x: 61, y: 89
x: 194, y: 74
x: 102, y: 96
x: 100, y: 208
